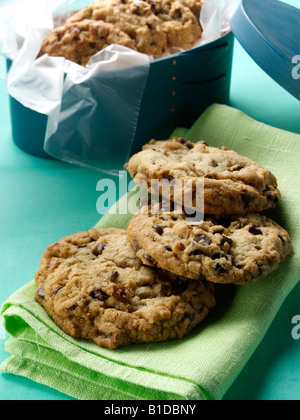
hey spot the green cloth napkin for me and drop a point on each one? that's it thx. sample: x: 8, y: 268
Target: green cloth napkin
x: 206, y: 362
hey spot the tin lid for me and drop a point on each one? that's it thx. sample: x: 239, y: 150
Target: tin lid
x: 269, y: 31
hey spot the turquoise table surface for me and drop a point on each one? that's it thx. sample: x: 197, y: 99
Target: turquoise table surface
x: 43, y: 200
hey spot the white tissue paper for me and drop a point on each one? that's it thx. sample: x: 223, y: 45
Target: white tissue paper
x: 91, y: 107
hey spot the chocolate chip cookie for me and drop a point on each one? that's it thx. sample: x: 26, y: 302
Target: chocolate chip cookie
x: 156, y: 26
x: 178, y: 21
x: 79, y: 41
x: 224, y: 250
x: 229, y: 183
x: 94, y: 287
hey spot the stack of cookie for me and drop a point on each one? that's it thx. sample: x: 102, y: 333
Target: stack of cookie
x: 156, y: 280
x: 234, y: 242
x: 152, y: 27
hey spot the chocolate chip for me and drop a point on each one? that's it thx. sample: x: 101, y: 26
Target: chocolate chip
x: 121, y: 293
x: 73, y: 307
x: 136, y: 245
x: 254, y: 230
x: 156, y: 9
x: 169, y: 249
x: 177, y: 14
x: 282, y: 240
x: 41, y: 292
x: 214, y: 163
x: 195, y: 253
x: 218, y: 256
x: 186, y: 143
x: 115, y: 275
x: 159, y: 229
x: 98, y: 249
x: 202, y: 238
x: 99, y: 294
x: 93, y: 45
x: 148, y: 258
x: 219, y: 268
x: 170, y: 178
x: 225, y: 240
x: 189, y: 145
x: 237, y: 168
x: 246, y: 198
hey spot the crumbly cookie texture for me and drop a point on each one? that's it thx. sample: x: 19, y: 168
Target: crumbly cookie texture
x: 229, y: 183
x: 79, y: 41
x: 194, y: 5
x: 227, y: 250
x: 94, y: 287
x: 156, y: 26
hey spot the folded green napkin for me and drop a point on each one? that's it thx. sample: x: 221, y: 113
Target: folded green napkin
x: 204, y: 364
